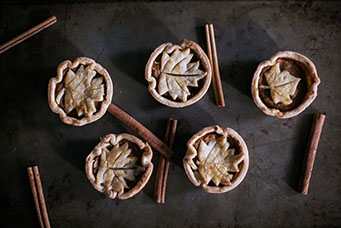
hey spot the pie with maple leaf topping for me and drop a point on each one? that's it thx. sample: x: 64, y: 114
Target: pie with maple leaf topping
x: 217, y: 159
x: 178, y: 75
x: 81, y: 92
x: 119, y: 166
x: 285, y: 85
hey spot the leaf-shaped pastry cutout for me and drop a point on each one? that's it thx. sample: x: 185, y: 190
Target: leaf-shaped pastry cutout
x: 177, y: 73
x: 116, y: 166
x: 216, y: 160
x: 81, y: 91
x: 282, y: 84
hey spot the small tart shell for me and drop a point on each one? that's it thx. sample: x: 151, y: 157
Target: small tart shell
x: 190, y: 166
x: 152, y: 81
x: 311, y: 90
x: 61, y: 72
x: 146, y: 161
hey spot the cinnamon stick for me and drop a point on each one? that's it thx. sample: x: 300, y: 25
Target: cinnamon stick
x: 22, y: 37
x: 308, y: 163
x: 209, y: 53
x: 215, y: 65
x: 142, y: 131
x: 161, y: 169
x: 41, y: 197
x: 163, y: 164
x: 170, y: 144
x: 35, y: 195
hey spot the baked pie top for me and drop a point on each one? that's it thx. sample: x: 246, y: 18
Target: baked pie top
x: 216, y: 159
x: 81, y: 91
x: 120, y: 165
x: 285, y: 85
x: 178, y: 75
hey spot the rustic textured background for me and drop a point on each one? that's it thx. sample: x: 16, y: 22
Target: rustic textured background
x: 120, y: 36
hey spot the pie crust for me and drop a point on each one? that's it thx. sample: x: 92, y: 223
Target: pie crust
x: 93, y: 92
x: 297, y: 65
x: 217, y: 159
x: 197, y: 86
x: 119, y: 166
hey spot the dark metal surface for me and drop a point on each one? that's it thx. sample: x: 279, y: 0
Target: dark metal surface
x: 120, y: 36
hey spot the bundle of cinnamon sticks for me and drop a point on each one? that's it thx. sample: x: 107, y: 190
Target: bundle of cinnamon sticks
x: 163, y: 164
x: 38, y: 196
x: 212, y: 55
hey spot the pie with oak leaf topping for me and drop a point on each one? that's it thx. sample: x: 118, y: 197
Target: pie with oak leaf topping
x: 217, y: 159
x: 81, y: 92
x: 178, y: 75
x: 285, y: 85
x: 119, y: 166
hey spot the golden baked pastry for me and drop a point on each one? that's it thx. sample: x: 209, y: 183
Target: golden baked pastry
x: 217, y: 159
x: 285, y: 85
x: 81, y: 92
x: 119, y: 166
x: 178, y: 75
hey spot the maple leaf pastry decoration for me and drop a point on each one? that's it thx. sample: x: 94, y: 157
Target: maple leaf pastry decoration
x: 177, y: 72
x: 81, y: 92
x: 178, y: 75
x: 217, y: 159
x: 285, y: 85
x: 119, y: 166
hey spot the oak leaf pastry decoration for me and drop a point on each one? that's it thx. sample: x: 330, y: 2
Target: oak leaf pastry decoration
x: 285, y: 85
x: 217, y: 159
x: 119, y: 166
x: 178, y: 75
x: 282, y: 84
x: 81, y: 92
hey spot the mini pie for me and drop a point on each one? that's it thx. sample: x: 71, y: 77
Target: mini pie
x: 285, y: 85
x: 178, y: 75
x: 119, y: 166
x: 217, y: 159
x: 81, y: 92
